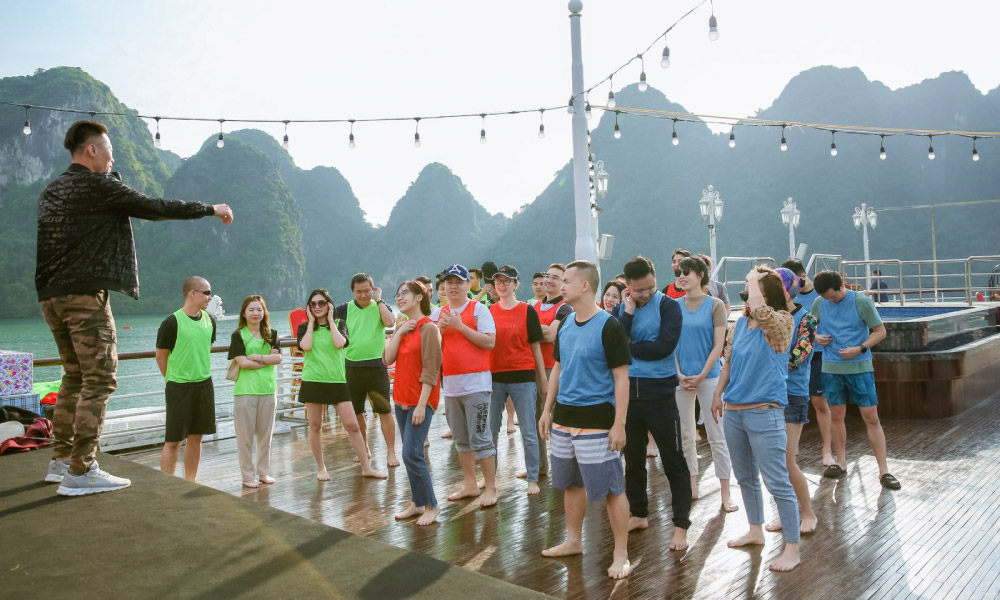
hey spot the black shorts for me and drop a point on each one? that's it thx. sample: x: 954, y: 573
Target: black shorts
x: 816, y: 375
x: 190, y: 410
x: 372, y: 383
x: 318, y: 392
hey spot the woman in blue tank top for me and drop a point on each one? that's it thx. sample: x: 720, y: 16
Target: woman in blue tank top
x: 703, y: 334
x: 752, y: 389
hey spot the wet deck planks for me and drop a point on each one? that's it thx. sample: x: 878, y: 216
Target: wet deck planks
x: 938, y: 537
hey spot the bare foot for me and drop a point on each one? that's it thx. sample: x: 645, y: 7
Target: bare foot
x: 251, y: 484
x: 267, y: 479
x: 651, y: 451
x: 409, y: 512
x: 446, y: 435
x: 515, y: 421
x: 429, y: 516
x: 729, y: 506
x: 808, y: 524
x: 533, y: 488
x: 680, y: 539
x: 427, y: 443
x: 694, y: 492
x: 355, y: 459
x: 774, y: 525
x: 749, y: 538
x: 489, y: 497
x: 788, y: 560
x: 322, y: 475
x: 828, y: 460
x: 391, y: 460
x: 637, y: 523
x: 511, y: 428
x: 373, y: 473
x: 697, y: 435
x: 620, y: 568
x: 566, y: 548
x: 464, y: 493
x: 522, y: 475
x: 481, y: 483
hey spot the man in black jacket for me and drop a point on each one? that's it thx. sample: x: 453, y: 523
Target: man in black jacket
x: 85, y: 251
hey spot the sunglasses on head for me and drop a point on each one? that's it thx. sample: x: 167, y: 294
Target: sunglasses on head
x: 317, y: 304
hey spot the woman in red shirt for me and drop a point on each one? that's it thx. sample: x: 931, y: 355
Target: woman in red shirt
x: 415, y: 347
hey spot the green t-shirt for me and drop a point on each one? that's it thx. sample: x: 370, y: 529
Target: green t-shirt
x: 869, y: 314
x: 255, y: 382
x: 323, y: 363
x: 367, y: 333
x: 190, y: 361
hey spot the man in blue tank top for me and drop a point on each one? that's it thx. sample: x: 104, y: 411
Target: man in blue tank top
x: 653, y: 322
x: 584, y: 415
x: 849, y: 326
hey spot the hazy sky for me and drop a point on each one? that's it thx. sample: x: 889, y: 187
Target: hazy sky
x: 288, y: 60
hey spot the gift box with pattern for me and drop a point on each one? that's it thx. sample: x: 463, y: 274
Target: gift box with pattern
x: 15, y: 373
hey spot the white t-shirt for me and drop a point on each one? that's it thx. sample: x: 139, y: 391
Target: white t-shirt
x: 469, y: 383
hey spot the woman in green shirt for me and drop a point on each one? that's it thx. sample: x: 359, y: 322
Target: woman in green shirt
x: 323, y: 339
x: 254, y: 347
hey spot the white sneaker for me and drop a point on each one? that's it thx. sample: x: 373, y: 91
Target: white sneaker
x: 57, y: 469
x: 94, y: 481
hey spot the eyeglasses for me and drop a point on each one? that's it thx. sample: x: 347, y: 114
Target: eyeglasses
x: 317, y: 304
x: 206, y: 292
x: 402, y: 294
x: 502, y: 281
x: 648, y: 290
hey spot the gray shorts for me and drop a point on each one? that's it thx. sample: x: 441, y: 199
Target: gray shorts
x: 469, y: 419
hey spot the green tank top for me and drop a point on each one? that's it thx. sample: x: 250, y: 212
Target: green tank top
x: 191, y: 359
x: 324, y: 363
x: 255, y: 382
x: 367, y: 332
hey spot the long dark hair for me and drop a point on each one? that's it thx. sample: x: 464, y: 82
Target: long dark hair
x: 417, y: 289
x: 265, y: 323
x: 319, y: 292
x: 774, y: 289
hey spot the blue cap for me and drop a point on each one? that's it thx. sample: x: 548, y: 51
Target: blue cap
x: 458, y: 271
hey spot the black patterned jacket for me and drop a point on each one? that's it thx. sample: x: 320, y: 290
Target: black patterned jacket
x: 85, y: 241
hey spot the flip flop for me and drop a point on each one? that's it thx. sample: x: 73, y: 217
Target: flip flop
x: 889, y: 482
x: 834, y: 472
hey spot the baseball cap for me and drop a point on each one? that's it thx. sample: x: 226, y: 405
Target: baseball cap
x: 789, y: 280
x: 507, y: 271
x: 458, y: 271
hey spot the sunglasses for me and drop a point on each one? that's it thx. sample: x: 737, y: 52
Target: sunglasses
x: 206, y: 292
x: 744, y: 295
x: 317, y: 304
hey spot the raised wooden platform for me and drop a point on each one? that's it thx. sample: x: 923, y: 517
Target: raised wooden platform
x: 938, y: 537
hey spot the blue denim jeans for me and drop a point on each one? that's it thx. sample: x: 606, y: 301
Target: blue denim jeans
x: 414, y: 437
x: 523, y: 395
x: 757, y: 440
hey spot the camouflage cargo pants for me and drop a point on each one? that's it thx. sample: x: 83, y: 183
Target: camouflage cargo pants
x: 84, y: 330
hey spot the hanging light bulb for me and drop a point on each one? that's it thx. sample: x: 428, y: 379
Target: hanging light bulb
x: 586, y: 108
x: 350, y: 138
x: 713, y: 28
x: 665, y: 61
x: 643, y: 86
x: 881, y: 147
x: 784, y: 144
x: 482, y: 132
x: 284, y: 141
x: 27, y: 123
x: 222, y: 141
x: 673, y: 138
x: 569, y: 107
x: 611, y: 94
x: 975, y: 153
x: 541, y: 124
x: 732, y: 138
x: 416, y: 133
x: 156, y: 138
x: 618, y: 130
x: 833, y: 143
x: 588, y: 137
x: 930, y: 149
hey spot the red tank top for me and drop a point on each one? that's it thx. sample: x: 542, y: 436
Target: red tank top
x: 459, y: 355
x: 546, y: 317
x: 512, y: 351
x: 406, y: 386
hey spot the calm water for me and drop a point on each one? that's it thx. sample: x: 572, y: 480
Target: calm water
x: 32, y: 335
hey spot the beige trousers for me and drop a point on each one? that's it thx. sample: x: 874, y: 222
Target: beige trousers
x: 253, y: 419
x: 716, y: 435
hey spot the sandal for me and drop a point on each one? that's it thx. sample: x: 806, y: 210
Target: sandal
x: 834, y: 472
x: 889, y: 482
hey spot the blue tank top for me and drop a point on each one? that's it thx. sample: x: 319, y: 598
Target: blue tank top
x: 645, y: 328
x: 798, y: 378
x: 756, y: 372
x: 585, y: 378
x: 840, y: 320
x: 697, y: 339
x: 806, y: 299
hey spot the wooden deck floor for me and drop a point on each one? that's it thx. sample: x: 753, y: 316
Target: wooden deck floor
x: 939, y: 537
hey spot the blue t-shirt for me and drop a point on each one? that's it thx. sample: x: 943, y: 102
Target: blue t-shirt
x: 587, y: 352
